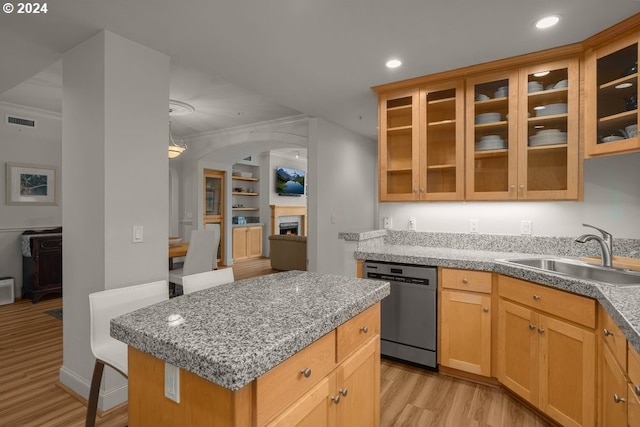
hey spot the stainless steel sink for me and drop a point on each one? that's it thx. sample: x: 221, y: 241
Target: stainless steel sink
x: 580, y: 270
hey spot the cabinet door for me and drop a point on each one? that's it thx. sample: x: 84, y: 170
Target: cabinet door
x: 442, y: 142
x: 613, y: 392
x: 567, y: 372
x: 254, y: 242
x: 465, y: 339
x: 518, y: 350
x: 240, y: 243
x: 491, y: 139
x: 314, y: 409
x: 358, y: 386
x: 398, y: 152
x: 548, y: 114
x: 611, y: 98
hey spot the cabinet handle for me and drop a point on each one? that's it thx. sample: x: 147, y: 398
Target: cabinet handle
x: 532, y: 326
x: 422, y: 190
x: 618, y: 399
x: 536, y: 297
x: 306, y: 372
x: 540, y: 331
x: 512, y: 187
x: 336, y: 399
x: 465, y: 281
x: 343, y: 391
x: 415, y: 190
x: 521, y: 187
x: 637, y: 390
x: 485, y: 309
x: 365, y: 329
x: 607, y: 332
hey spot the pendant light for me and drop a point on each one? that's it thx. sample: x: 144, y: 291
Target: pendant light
x: 177, y: 108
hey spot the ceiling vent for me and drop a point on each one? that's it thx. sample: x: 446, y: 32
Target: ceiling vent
x: 22, y: 122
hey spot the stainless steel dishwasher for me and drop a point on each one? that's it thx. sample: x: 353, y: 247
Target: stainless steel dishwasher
x: 409, y: 313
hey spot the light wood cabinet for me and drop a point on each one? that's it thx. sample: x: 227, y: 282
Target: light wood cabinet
x: 421, y: 143
x: 465, y: 321
x: 546, y: 359
x: 611, y: 97
x: 613, y: 391
x: 247, y: 242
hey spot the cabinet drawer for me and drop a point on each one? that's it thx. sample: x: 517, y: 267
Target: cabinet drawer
x: 571, y: 307
x: 633, y: 359
x: 466, y: 280
x: 612, y: 336
x: 285, y: 383
x: 355, y: 332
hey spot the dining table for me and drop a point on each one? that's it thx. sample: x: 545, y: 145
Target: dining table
x: 176, y: 251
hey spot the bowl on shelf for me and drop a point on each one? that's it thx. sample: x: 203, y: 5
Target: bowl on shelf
x: 561, y: 84
x: 482, y: 97
x: 502, y: 92
x: 534, y: 86
x: 174, y: 240
x: 552, y: 109
x: 487, y: 118
x: 612, y: 138
x: 246, y: 174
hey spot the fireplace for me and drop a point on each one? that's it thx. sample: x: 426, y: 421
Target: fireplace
x: 288, y: 228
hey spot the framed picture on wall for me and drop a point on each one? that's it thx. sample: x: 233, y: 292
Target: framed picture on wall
x: 31, y: 184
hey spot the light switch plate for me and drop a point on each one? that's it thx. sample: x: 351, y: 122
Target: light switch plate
x: 172, y: 382
x: 138, y: 234
x: 525, y: 227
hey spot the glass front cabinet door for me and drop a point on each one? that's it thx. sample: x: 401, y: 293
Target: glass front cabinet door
x: 399, y: 156
x: 548, y: 114
x: 491, y: 142
x: 611, y: 98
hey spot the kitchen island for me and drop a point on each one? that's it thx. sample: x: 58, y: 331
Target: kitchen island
x: 256, y: 351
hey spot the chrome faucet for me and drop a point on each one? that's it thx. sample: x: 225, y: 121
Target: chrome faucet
x: 606, y: 242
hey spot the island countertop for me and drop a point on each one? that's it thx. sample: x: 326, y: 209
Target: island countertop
x: 233, y: 333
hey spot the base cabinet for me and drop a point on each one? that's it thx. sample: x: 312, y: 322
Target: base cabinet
x: 548, y: 361
x: 247, y: 242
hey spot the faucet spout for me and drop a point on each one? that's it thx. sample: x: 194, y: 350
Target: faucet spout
x: 605, y: 242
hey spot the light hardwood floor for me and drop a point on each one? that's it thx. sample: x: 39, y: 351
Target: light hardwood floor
x: 31, y: 355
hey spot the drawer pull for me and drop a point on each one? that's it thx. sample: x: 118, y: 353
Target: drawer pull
x: 343, y: 391
x: 637, y: 389
x: 618, y: 399
x: 336, y: 399
x: 306, y: 372
x: 536, y: 297
x: 485, y: 309
x: 532, y: 326
x: 607, y: 332
x: 465, y: 281
x: 540, y: 331
x: 365, y: 329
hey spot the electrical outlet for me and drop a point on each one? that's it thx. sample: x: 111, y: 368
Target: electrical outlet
x: 474, y: 226
x: 412, y: 223
x: 525, y: 226
x: 172, y: 382
x: 387, y: 222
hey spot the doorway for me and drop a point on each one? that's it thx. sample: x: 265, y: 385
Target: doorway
x: 214, y: 185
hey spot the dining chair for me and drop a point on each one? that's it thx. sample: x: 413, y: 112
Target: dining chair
x: 208, y: 279
x: 201, y: 255
x: 104, y: 306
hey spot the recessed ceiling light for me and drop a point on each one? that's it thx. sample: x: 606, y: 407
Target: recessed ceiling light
x: 547, y: 21
x: 623, y: 85
x: 393, y: 63
x: 541, y: 73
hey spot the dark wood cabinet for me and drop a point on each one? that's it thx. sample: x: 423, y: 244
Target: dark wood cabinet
x: 42, y: 271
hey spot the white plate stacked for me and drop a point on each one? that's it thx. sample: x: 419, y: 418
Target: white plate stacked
x: 548, y: 137
x: 502, y: 92
x: 491, y: 142
x: 552, y: 109
x: 534, y: 87
x: 487, y: 118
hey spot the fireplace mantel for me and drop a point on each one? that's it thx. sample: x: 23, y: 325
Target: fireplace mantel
x: 288, y: 210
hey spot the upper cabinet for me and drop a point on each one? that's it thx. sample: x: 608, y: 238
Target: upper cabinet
x: 611, y: 97
x: 421, y: 153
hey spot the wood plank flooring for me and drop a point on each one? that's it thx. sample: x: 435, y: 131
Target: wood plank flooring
x: 31, y: 355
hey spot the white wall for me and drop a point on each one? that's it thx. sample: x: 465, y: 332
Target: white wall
x: 342, y: 171
x: 114, y: 146
x: 40, y: 145
x: 611, y: 201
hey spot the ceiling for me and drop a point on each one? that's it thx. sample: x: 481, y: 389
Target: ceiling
x: 245, y: 61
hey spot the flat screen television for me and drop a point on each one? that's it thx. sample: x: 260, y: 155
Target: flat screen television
x: 289, y: 182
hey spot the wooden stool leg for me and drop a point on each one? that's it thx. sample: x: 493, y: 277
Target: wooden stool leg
x: 94, y: 393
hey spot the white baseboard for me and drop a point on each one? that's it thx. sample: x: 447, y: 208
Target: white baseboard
x: 108, y: 398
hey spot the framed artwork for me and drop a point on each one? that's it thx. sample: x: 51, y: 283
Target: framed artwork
x: 31, y: 184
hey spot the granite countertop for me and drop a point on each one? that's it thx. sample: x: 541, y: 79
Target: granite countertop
x: 621, y: 303
x: 233, y: 333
